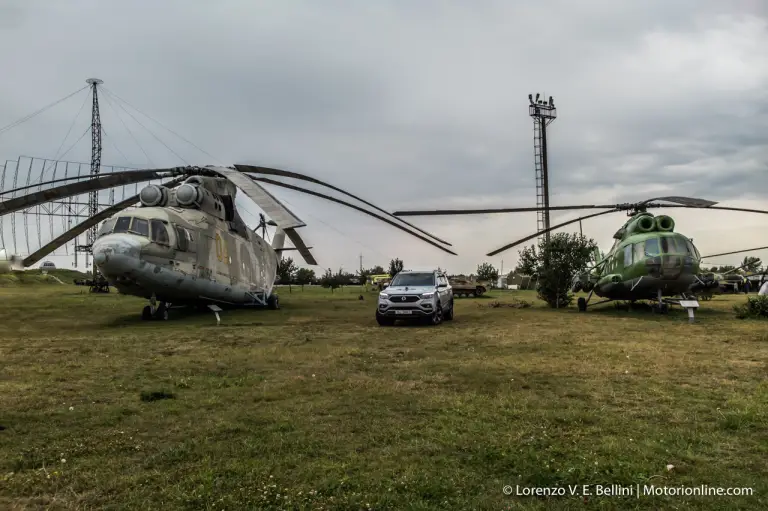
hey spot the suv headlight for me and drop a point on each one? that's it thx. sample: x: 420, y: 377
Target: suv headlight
x: 428, y: 295
x: 383, y: 296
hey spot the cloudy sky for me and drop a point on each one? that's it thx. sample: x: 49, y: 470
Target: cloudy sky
x: 414, y: 105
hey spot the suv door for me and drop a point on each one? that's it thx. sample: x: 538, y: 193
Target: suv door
x: 443, y: 293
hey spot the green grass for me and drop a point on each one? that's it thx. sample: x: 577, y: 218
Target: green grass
x: 316, y: 407
x: 37, y: 277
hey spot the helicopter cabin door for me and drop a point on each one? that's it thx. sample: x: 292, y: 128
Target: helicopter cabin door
x: 186, y: 249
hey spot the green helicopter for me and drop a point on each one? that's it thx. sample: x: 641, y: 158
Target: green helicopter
x: 648, y: 259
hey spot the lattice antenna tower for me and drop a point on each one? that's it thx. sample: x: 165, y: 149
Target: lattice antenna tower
x: 93, y: 197
x: 543, y: 113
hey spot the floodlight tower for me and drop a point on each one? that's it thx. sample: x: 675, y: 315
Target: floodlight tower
x: 543, y: 113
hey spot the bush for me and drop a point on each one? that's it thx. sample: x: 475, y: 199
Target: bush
x: 554, y: 288
x: 755, y: 307
x: 555, y: 264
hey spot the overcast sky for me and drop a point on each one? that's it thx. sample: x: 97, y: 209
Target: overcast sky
x: 414, y: 105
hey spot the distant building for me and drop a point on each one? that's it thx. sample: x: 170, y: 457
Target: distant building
x: 48, y: 265
x: 518, y: 281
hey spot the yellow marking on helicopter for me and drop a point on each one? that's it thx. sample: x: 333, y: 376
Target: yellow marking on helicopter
x: 221, y: 249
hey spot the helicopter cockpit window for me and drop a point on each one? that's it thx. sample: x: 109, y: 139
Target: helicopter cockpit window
x: 639, y: 249
x: 159, y: 232
x: 671, y: 245
x: 122, y: 224
x: 139, y: 226
x: 627, y: 256
x: 692, y: 249
x: 652, y: 247
x: 106, y: 227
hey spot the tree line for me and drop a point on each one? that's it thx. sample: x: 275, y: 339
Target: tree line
x: 748, y: 265
x: 288, y: 273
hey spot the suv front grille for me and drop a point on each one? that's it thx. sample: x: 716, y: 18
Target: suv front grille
x: 404, y: 298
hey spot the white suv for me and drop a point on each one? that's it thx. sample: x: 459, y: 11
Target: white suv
x: 417, y: 295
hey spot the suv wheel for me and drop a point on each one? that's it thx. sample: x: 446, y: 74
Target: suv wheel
x: 437, y: 316
x: 448, y: 316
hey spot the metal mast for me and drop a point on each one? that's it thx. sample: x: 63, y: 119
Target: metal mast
x: 93, y: 197
x: 543, y: 113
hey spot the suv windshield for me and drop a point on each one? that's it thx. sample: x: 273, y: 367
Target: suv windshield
x: 413, y: 279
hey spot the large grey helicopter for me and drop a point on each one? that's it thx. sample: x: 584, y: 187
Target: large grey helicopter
x: 187, y: 244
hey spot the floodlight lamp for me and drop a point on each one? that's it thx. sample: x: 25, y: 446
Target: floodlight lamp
x: 530, y: 98
x: 551, y: 103
x: 537, y: 97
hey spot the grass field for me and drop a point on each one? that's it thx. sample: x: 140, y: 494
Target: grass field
x: 316, y: 407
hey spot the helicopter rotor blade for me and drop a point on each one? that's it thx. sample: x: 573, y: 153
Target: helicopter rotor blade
x: 300, y: 246
x: 543, y: 231
x: 276, y: 210
x: 735, y: 252
x: 295, y: 175
x: 358, y: 208
x: 84, y: 226
x: 497, y: 210
x: 745, y: 210
x: 686, y: 201
x: 103, y: 182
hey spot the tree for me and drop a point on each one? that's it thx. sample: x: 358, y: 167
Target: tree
x: 304, y: 276
x: 329, y: 280
x: 751, y: 264
x: 555, y: 264
x: 286, y: 268
x: 343, y: 278
x: 376, y: 270
x: 395, y: 267
x: 486, y: 271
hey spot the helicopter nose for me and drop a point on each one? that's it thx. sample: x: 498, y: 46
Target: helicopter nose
x: 112, y: 252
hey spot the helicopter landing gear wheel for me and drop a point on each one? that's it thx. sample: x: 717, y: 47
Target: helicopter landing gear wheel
x: 146, y: 313
x: 582, y: 304
x: 161, y: 312
x: 273, y: 302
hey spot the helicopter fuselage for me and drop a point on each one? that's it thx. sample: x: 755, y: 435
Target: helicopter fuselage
x: 184, y: 256
x: 647, y: 261
x: 641, y: 265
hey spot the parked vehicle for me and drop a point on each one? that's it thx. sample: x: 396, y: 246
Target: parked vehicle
x: 416, y: 295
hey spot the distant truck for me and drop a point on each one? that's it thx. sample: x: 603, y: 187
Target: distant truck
x: 379, y: 282
x: 465, y: 287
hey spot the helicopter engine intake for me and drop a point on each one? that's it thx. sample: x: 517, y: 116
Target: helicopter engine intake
x: 645, y: 224
x: 665, y: 223
x: 189, y: 195
x: 154, y: 196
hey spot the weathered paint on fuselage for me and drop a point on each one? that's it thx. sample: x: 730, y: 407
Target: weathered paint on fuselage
x: 672, y: 271
x: 214, y: 265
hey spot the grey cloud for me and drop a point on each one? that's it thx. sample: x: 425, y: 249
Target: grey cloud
x: 412, y: 104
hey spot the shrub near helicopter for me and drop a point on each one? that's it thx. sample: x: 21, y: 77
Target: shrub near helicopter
x: 189, y: 245
x: 648, y: 260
